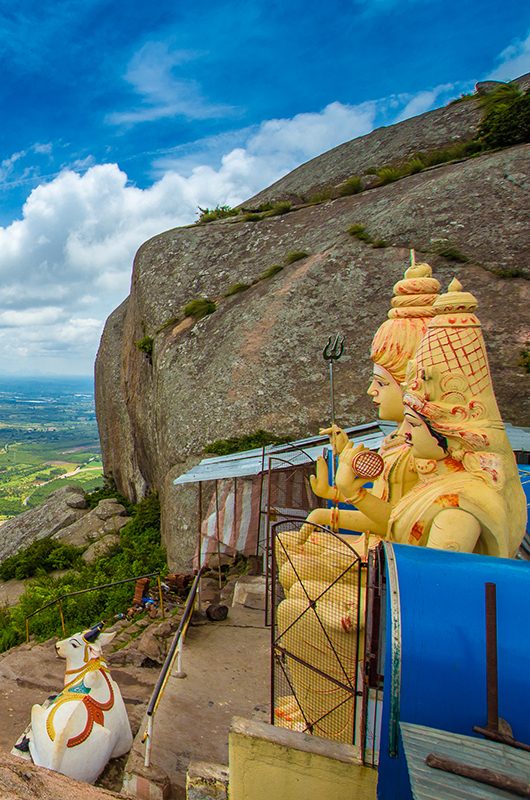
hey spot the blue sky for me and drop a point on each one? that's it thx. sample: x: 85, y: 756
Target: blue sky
x: 119, y: 119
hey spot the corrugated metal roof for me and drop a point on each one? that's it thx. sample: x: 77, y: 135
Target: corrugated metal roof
x: 519, y: 437
x: 434, y: 784
x: 302, y: 451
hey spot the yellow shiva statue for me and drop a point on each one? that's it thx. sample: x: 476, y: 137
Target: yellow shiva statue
x: 469, y: 496
x: 393, y: 345
x: 310, y: 560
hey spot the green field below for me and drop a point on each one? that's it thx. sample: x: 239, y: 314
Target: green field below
x: 30, y: 470
x: 46, y: 442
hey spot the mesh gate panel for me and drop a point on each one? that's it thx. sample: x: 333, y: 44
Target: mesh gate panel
x: 317, y: 631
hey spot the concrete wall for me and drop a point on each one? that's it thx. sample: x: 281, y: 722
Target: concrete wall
x: 269, y: 762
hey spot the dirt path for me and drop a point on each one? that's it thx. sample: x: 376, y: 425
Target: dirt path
x: 227, y: 666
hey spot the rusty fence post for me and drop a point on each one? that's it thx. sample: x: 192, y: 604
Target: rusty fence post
x: 60, y: 606
x: 160, y: 596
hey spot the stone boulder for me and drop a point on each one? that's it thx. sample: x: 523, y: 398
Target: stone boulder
x: 147, y: 650
x: 250, y: 592
x: 108, y: 517
x: 100, y: 547
x: 62, y: 508
x: 22, y: 780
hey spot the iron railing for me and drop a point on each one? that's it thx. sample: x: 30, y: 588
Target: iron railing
x: 174, y: 652
x: 59, y: 600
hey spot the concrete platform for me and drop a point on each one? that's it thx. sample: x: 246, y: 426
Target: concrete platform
x: 227, y: 666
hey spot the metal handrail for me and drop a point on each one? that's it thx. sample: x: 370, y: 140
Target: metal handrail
x: 58, y: 600
x: 175, y: 650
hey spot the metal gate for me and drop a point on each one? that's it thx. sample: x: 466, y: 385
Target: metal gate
x: 317, y: 632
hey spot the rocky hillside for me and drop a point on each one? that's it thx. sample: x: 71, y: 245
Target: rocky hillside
x: 257, y: 361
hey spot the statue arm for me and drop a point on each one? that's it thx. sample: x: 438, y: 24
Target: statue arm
x: 350, y: 520
x: 454, y: 529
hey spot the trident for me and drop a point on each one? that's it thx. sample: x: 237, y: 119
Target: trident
x: 332, y: 352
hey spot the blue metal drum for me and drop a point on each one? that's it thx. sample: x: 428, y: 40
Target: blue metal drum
x: 435, y: 657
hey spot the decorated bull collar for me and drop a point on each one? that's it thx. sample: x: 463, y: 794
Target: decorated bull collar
x: 92, y: 665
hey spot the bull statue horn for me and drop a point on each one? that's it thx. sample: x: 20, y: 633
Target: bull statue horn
x: 92, y: 634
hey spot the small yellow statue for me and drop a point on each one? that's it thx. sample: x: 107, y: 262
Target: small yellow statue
x: 469, y: 496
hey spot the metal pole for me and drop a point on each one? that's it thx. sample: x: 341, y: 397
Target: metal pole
x: 217, y: 535
x: 273, y: 627
x: 199, y: 537
x: 62, y: 617
x: 160, y: 595
x: 148, y: 736
x: 268, y: 543
x: 492, y: 683
x: 234, y: 519
x: 27, y: 629
x: 179, y: 657
x: 332, y: 352
x: 332, y: 392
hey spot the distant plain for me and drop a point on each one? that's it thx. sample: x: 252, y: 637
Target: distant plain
x: 48, y: 437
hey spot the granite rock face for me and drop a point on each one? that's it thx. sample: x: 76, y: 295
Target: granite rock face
x: 106, y: 519
x: 61, y: 509
x: 65, y: 515
x: 391, y: 145
x: 257, y: 361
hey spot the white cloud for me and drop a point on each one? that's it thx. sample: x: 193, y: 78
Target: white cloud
x: 273, y: 149
x: 29, y: 316
x: 66, y: 264
x: 514, y: 61
x: 162, y: 95
x: 424, y: 101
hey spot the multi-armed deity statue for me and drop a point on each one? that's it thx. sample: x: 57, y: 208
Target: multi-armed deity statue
x: 468, y: 496
x: 449, y: 481
x: 394, y: 344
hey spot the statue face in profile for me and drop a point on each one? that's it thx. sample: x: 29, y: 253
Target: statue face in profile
x: 386, y: 393
x: 424, y: 444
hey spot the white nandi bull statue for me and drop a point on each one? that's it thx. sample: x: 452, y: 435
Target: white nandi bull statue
x: 86, y: 724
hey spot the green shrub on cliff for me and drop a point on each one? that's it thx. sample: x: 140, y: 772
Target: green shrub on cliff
x: 524, y: 357
x: 450, y: 251
x: 270, y: 271
x: 219, y: 212
x: 352, y: 185
x: 279, y: 208
x: 358, y: 230
x: 251, y: 441
x: 199, y: 308
x: 236, y: 288
x: 145, y: 345
x: 295, y: 255
x: 139, y: 552
x: 44, y: 555
x: 506, y: 117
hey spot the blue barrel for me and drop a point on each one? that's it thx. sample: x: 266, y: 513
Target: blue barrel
x: 435, y: 657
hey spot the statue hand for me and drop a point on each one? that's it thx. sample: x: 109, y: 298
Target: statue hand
x: 320, y: 481
x: 346, y: 480
x: 337, y: 437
